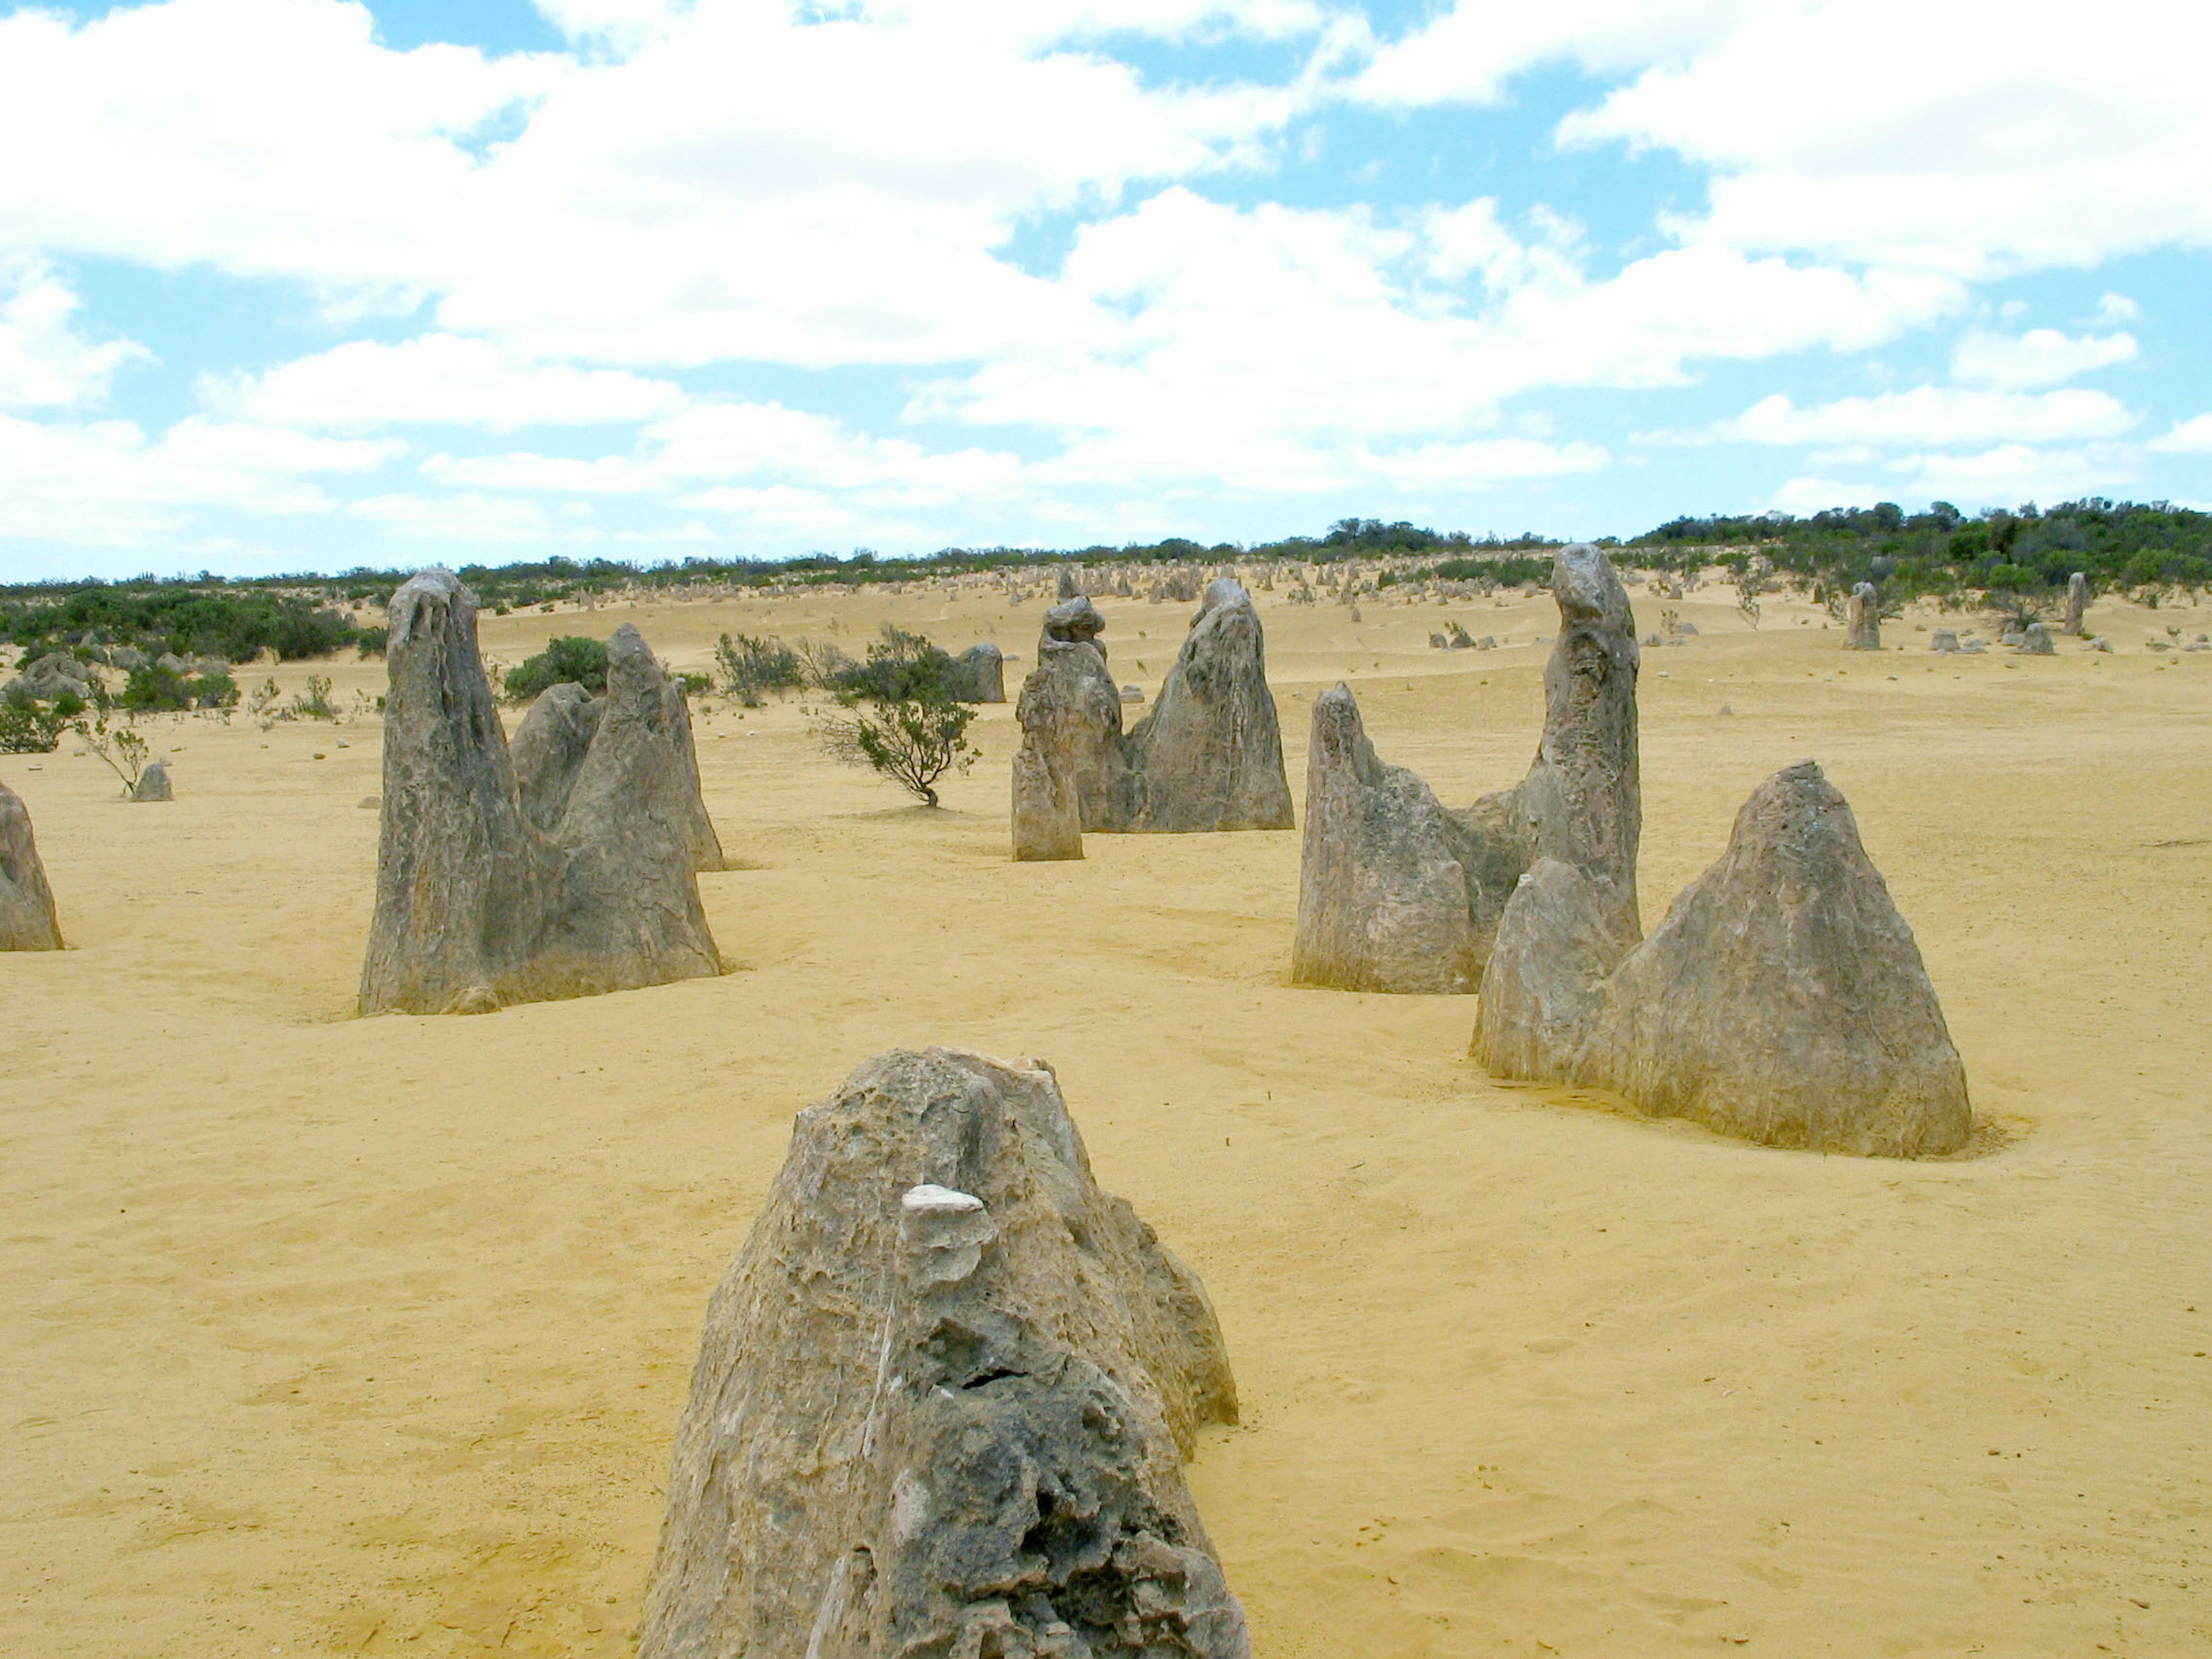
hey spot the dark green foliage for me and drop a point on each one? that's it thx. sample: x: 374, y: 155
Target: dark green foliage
x: 28, y: 726
x: 901, y: 717
x: 213, y: 690
x: 314, y: 703
x: 570, y: 657
x: 206, y: 617
x: 695, y: 685
x: 752, y: 667
x: 370, y: 641
x: 153, y: 688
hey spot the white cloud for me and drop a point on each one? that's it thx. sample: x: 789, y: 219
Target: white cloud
x: 2042, y: 356
x: 440, y: 380
x: 464, y: 518
x: 2113, y: 309
x: 103, y: 484
x: 1930, y: 139
x: 1468, y: 54
x: 602, y: 475
x: 2005, y: 475
x: 44, y: 362
x: 1929, y: 416
x: 2190, y: 437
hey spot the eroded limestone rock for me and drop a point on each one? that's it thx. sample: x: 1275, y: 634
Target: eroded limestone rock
x: 2035, y: 641
x: 476, y: 905
x: 1783, y: 997
x: 943, y: 1400
x: 154, y: 783
x: 2077, y: 601
x: 549, y: 749
x: 1383, y: 901
x: 1048, y: 803
x: 1561, y: 934
x: 1209, y: 753
x: 980, y: 674
x: 27, y: 902
x: 1862, y: 619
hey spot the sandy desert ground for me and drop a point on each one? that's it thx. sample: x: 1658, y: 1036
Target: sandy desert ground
x: 320, y: 1334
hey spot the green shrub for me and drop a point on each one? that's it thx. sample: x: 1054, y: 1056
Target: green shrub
x: 28, y: 726
x: 563, y: 660
x: 314, y: 703
x: 153, y: 688
x: 215, y: 689
x: 751, y: 667
x: 901, y: 717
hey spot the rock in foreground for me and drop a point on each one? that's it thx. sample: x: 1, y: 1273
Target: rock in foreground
x: 943, y: 1400
x: 1783, y: 997
x: 1382, y: 901
x: 26, y: 903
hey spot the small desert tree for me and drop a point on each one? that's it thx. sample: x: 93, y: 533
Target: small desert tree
x: 121, y: 748
x: 752, y: 666
x: 899, y: 716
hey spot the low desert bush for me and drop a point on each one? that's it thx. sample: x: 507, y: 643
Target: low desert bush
x: 569, y: 657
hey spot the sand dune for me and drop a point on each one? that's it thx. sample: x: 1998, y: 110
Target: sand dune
x: 320, y: 1334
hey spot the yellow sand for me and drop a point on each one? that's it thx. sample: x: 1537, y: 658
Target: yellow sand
x: 323, y: 1335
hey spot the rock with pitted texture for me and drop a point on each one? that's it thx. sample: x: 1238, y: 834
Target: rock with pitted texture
x: 943, y: 1400
x: 1383, y: 900
x: 2035, y: 641
x: 1783, y: 999
x: 27, y: 902
x: 1862, y: 619
x: 2077, y: 601
x: 1209, y: 754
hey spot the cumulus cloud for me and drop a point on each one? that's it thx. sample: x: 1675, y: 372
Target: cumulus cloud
x: 2190, y: 437
x: 106, y: 483
x: 2042, y: 356
x: 45, y: 362
x: 464, y: 518
x: 435, y: 379
x: 1928, y: 416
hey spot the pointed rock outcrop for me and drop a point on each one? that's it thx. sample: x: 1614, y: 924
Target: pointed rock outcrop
x: 477, y: 906
x: 1783, y: 997
x: 1048, y: 805
x: 27, y: 902
x: 154, y: 783
x: 1543, y: 985
x: 1582, y: 802
x: 1862, y: 619
x: 943, y: 1400
x: 1383, y: 900
x: 1209, y: 755
x: 2077, y: 601
x: 549, y: 748
x: 979, y: 674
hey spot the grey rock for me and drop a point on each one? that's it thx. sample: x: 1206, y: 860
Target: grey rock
x: 2035, y: 641
x: 1862, y: 619
x: 476, y: 905
x: 1543, y: 985
x: 548, y: 750
x: 2011, y: 636
x: 1582, y: 801
x: 1132, y: 694
x: 943, y: 1400
x: 1209, y: 754
x: 1383, y: 901
x: 154, y: 783
x: 128, y: 658
x: 980, y: 674
x: 1047, y: 802
x: 27, y: 902
x: 1687, y: 630
x: 1068, y: 587
x: 2077, y: 601
x: 1945, y: 640
x: 1073, y: 621
x: 1783, y: 997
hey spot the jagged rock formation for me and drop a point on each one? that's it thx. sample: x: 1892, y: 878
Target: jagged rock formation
x: 1783, y: 999
x: 980, y: 674
x: 2035, y: 641
x: 1543, y: 985
x: 478, y: 907
x: 1862, y: 619
x: 52, y: 676
x: 1582, y: 802
x: 1086, y: 711
x: 1068, y: 587
x: 26, y: 903
x: 154, y: 783
x: 943, y: 1399
x: 1209, y: 755
x: 1383, y: 900
x: 2077, y: 601
x: 1048, y: 807
x: 554, y: 744
x: 548, y: 749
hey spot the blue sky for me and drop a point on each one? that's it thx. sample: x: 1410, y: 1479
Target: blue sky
x: 296, y: 284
